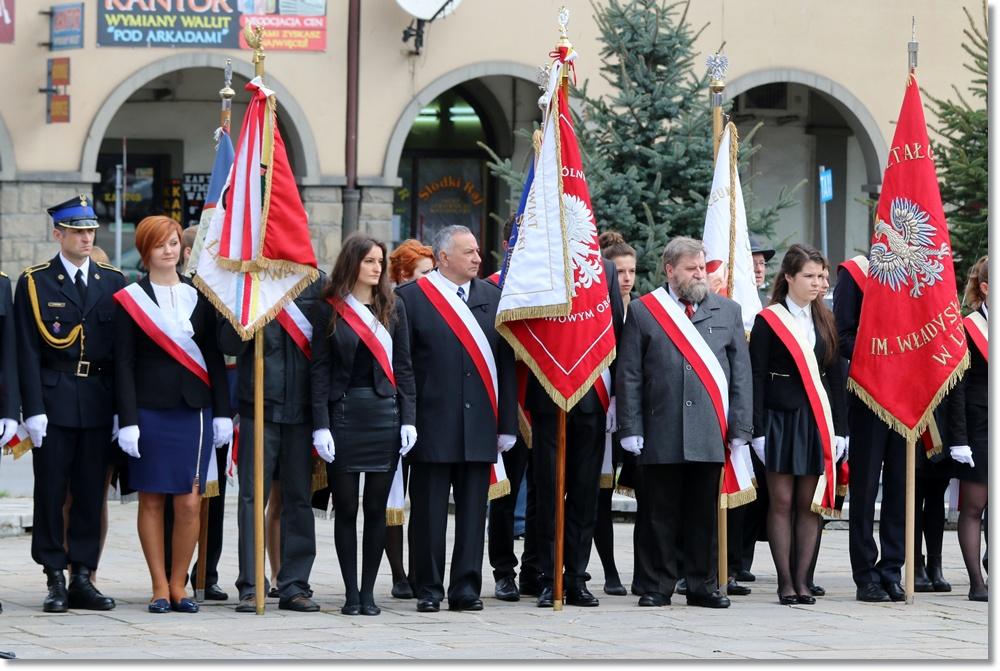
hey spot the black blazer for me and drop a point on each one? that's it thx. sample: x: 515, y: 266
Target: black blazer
x: 847, y: 297
x: 777, y: 384
x: 147, y: 377
x: 333, y: 360
x: 977, y: 377
x: 454, y: 419
x: 10, y: 395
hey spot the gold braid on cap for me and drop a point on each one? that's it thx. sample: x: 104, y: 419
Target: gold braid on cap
x: 53, y: 341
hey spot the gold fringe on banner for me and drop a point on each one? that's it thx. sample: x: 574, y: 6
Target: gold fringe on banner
x: 211, y: 489
x: 498, y: 489
x: 607, y: 480
x: 937, y: 443
x: 394, y: 517
x: 20, y: 449
x: 524, y: 426
x: 319, y: 480
x: 625, y: 491
x: 817, y: 501
x: 842, y: 490
x: 734, y: 149
x: 742, y: 497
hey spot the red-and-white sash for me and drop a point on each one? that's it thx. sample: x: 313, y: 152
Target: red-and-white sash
x: 602, y: 386
x: 163, y: 331
x: 463, y: 324
x: 979, y: 333
x: 858, y: 269
x: 371, y: 332
x: 788, y: 331
x: 297, y: 326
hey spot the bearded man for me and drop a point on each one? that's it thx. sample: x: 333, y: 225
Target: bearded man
x: 684, y: 383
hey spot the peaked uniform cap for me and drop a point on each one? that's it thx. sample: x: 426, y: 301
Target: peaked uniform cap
x: 77, y: 212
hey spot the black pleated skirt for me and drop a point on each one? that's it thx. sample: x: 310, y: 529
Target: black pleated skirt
x: 365, y: 432
x: 792, y: 444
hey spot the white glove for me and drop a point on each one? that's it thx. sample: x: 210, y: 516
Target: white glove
x: 632, y: 444
x: 114, y: 428
x: 611, y: 423
x: 505, y: 441
x: 736, y: 443
x: 323, y: 442
x: 222, y: 431
x: 758, y: 448
x: 36, y: 425
x: 407, y: 439
x: 9, y: 429
x: 847, y: 448
x: 128, y: 440
x: 839, y: 448
x: 962, y: 454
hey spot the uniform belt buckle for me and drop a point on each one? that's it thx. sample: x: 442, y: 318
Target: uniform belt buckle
x: 82, y: 368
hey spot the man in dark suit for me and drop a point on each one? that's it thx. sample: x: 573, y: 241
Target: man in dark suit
x: 10, y: 394
x: 667, y: 418
x: 876, y: 452
x: 586, y: 424
x: 461, y: 433
x: 65, y: 333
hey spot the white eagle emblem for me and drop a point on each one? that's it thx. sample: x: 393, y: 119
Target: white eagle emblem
x: 581, y: 231
x: 907, y: 255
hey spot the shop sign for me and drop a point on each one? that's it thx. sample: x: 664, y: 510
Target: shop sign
x: 289, y: 25
x: 66, y: 27
x: 6, y: 21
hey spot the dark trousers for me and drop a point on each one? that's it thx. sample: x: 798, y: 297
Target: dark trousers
x: 427, y: 533
x: 74, y: 459
x: 876, y: 449
x: 529, y: 555
x: 584, y: 456
x: 290, y: 446
x: 681, y: 503
x: 501, y: 515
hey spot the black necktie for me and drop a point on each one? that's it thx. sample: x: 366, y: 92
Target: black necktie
x: 461, y: 293
x: 81, y: 286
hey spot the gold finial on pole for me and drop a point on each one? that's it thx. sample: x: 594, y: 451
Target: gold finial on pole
x: 563, y: 22
x: 226, y: 94
x: 253, y: 33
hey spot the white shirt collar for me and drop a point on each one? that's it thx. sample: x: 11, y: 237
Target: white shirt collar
x: 796, y: 310
x: 676, y: 298
x: 454, y: 287
x: 71, y: 269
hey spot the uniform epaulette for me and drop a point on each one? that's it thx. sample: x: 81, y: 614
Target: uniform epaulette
x: 3, y: 274
x: 37, y: 266
x: 108, y: 266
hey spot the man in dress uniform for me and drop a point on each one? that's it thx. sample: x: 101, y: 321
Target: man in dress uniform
x: 10, y: 395
x: 875, y: 451
x: 682, y: 355
x: 65, y: 333
x: 586, y: 424
x: 287, y: 449
x: 466, y: 406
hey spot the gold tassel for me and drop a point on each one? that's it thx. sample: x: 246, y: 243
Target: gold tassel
x: 841, y: 490
x: 319, y: 480
x: 737, y: 499
x: 211, y: 489
x: 498, y: 489
x: 394, y: 517
x: 625, y: 491
x: 607, y: 480
x: 524, y: 426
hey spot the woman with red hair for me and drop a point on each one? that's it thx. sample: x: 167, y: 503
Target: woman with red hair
x: 409, y: 261
x: 171, y: 383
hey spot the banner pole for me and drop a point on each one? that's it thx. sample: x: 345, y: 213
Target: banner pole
x: 911, y: 499
x: 258, y: 469
x: 557, y: 560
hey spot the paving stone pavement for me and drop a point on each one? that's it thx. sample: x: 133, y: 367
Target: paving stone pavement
x: 935, y: 627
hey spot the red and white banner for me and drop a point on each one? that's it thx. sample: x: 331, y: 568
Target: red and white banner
x: 395, y: 507
x: 910, y: 347
x: 554, y: 308
x: 369, y: 330
x: 163, y: 331
x: 298, y: 327
x: 20, y: 443
x: 603, y: 386
x: 783, y: 324
x: 737, y: 481
x: 857, y: 267
x: 979, y: 333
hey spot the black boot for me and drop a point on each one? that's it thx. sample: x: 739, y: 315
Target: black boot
x: 57, y: 599
x: 921, y: 582
x: 934, y: 573
x: 83, y: 594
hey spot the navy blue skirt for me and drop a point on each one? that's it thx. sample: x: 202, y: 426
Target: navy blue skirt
x: 174, y: 446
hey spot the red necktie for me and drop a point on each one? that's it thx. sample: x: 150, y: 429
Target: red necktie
x: 688, y: 308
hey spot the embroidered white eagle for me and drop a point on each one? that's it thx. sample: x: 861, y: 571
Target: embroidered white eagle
x: 581, y: 231
x: 905, y: 254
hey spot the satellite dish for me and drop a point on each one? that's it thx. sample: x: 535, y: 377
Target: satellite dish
x: 428, y: 10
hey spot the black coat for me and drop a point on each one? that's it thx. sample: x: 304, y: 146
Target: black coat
x: 10, y: 394
x: 537, y: 400
x: 455, y: 421
x: 333, y: 361
x: 847, y: 297
x: 150, y: 378
x: 66, y: 398
x: 975, y: 389
x: 777, y: 384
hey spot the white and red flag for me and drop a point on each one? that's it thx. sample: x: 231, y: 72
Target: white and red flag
x: 257, y: 255
x: 554, y: 308
x: 910, y: 348
x: 726, y: 232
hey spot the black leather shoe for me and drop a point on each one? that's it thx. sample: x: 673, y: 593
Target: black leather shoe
x: 528, y: 586
x: 370, y: 609
x: 185, y: 605
x: 817, y: 590
x: 273, y: 593
x: 402, y: 590
x: 788, y: 599
x: 247, y: 604
x: 895, y: 591
x: 465, y: 604
x: 300, y: 603
x: 938, y: 583
x: 615, y: 589
x: 215, y: 593
x: 806, y: 599
x: 735, y: 589
x: 350, y: 609
x: 545, y: 598
x: 681, y: 587
x: 57, y: 599
x: 745, y: 576
x: 83, y: 594
x: 654, y: 599
x: 713, y: 600
x: 581, y: 596
x: 872, y: 593
x: 979, y: 596
x: 506, y: 589
x: 428, y: 606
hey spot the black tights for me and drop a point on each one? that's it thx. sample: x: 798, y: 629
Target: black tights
x: 345, y: 530
x: 929, y: 518
x: 785, y: 491
x: 970, y: 526
x: 604, y: 537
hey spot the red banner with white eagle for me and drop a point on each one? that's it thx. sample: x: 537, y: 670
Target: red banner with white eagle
x: 555, y: 310
x: 910, y: 348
